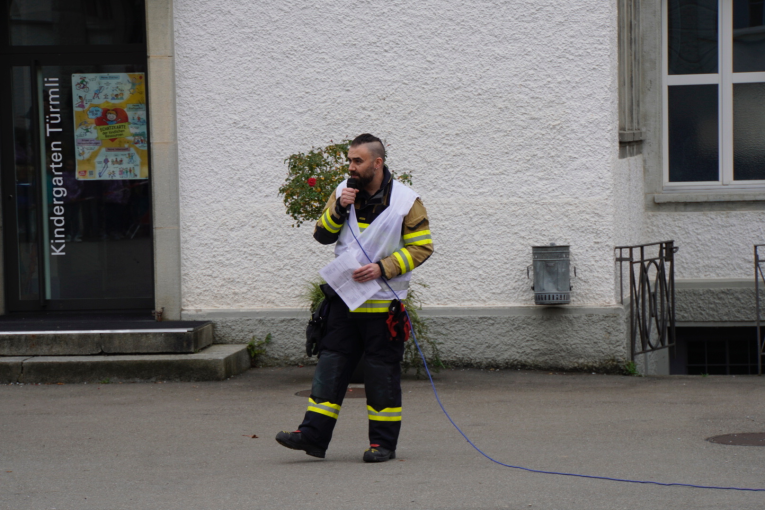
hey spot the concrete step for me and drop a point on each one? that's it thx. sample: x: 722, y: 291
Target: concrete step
x: 214, y: 363
x: 89, y: 338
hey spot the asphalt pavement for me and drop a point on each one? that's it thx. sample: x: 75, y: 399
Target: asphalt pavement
x: 191, y: 445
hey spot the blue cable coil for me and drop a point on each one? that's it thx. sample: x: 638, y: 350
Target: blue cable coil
x: 530, y: 470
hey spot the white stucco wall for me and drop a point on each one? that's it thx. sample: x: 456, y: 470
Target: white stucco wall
x: 713, y: 245
x: 505, y: 112
x: 629, y: 208
x: 629, y: 214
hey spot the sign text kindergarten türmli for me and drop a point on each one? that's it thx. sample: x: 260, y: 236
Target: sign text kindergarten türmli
x: 52, y: 133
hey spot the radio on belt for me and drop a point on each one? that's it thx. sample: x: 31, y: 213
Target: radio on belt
x: 552, y: 274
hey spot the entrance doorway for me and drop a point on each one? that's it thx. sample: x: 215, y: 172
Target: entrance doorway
x: 77, y: 223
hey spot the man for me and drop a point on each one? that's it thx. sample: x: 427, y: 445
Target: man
x: 392, y: 225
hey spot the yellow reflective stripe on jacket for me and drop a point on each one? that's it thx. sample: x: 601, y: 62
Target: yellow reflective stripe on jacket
x: 373, y: 306
x: 329, y: 223
x: 325, y: 408
x: 387, y: 414
x: 363, y: 226
x: 404, y: 259
x: 418, y: 238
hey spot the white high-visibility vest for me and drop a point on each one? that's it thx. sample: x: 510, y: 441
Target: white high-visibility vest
x: 381, y: 238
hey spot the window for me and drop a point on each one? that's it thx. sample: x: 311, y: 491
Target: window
x: 714, y: 94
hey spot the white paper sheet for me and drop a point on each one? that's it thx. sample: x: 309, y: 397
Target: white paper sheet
x: 339, y: 275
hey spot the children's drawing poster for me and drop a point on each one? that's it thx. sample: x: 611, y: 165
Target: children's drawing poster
x: 110, y: 126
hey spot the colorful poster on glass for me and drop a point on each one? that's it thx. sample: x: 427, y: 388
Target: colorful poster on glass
x: 110, y: 126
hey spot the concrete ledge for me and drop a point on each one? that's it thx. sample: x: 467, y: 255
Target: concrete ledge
x: 10, y: 368
x: 665, y: 198
x: 520, y: 311
x: 716, y: 324
x: 434, y: 311
x: 254, y: 313
x: 562, y: 337
x: 73, y: 343
x: 715, y: 302
x: 215, y: 363
x: 727, y: 283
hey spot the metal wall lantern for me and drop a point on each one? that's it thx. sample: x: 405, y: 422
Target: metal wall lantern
x: 552, y: 274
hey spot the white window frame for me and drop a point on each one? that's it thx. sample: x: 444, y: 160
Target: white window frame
x: 724, y: 79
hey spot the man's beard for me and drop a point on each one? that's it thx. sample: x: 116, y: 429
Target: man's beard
x: 364, y: 180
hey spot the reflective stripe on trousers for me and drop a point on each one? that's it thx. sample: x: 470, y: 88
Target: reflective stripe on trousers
x: 325, y: 408
x: 387, y: 414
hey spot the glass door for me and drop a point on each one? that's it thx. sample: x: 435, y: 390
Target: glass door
x: 74, y: 156
x: 76, y: 175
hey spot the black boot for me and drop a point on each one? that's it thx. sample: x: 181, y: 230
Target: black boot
x: 376, y: 453
x: 296, y: 441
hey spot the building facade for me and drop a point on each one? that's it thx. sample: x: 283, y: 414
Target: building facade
x: 590, y: 124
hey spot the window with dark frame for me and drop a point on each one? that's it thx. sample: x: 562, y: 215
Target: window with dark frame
x: 714, y: 94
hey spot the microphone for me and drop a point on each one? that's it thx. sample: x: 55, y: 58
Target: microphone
x: 352, y: 183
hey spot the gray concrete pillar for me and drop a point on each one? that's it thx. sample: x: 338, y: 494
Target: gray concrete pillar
x: 164, y: 157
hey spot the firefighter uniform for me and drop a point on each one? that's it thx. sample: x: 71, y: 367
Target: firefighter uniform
x: 398, y: 238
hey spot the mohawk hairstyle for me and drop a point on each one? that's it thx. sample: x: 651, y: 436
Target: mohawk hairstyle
x: 376, y: 147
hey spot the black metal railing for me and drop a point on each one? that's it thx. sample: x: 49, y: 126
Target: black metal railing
x: 758, y: 275
x: 652, y: 294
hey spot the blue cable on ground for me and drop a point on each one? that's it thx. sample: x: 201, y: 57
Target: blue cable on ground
x: 530, y: 470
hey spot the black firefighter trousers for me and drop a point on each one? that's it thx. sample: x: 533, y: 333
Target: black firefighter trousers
x: 347, y: 338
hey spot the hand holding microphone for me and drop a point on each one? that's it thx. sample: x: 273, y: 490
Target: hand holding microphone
x: 368, y: 272
x: 348, y: 195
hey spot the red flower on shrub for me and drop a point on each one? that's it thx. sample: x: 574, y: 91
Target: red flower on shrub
x: 312, y: 182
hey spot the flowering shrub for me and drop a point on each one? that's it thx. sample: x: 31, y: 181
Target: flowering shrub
x: 313, y: 176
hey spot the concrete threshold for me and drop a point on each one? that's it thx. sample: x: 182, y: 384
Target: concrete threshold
x: 84, y: 339
x: 214, y: 363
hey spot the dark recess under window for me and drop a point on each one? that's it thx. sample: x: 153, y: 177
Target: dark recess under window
x: 715, y: 351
